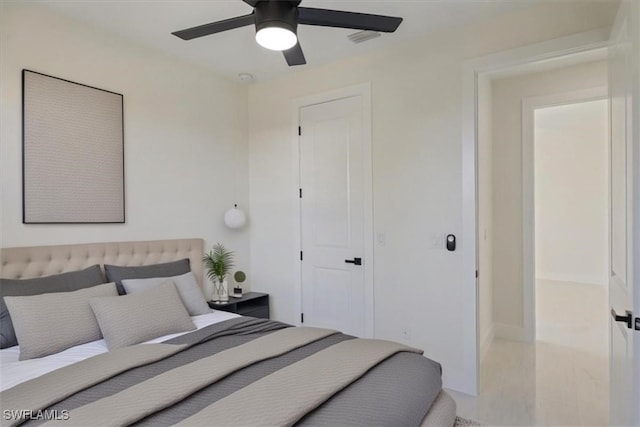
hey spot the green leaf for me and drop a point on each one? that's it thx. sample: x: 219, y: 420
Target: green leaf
x: 218, y: 262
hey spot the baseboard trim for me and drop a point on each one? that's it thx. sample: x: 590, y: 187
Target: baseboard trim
x: 485, y: 342
x: 458, y: 381
x: 510, y: 332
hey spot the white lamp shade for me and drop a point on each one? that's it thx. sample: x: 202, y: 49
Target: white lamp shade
x: 235, y: 218
x: 276, y: 38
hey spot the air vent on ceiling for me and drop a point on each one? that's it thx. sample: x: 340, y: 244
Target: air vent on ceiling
x: 363, y: 36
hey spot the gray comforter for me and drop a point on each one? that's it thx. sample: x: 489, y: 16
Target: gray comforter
x: 242, y: 371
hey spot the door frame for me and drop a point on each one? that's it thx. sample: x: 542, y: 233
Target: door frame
x: 363, y: 90
x: 473, y: 70
x: 529, y: 105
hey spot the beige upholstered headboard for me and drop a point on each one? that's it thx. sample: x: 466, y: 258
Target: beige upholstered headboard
x: 37, y: 261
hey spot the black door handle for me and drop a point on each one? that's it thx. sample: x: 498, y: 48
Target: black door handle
x: 628, y: 318
x: 356, y: 261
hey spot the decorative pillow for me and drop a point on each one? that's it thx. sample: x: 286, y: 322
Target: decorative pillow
x: 116, y: 273
x: 132, y: 319
x: 49, y: 323
x: 188, y: 289
x: 64, y: 282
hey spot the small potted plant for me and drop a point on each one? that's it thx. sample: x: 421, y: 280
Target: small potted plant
x: 239, y: 277
x: 219, y: 263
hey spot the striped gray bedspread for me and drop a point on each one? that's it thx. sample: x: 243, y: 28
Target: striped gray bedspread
x: 243, y: 371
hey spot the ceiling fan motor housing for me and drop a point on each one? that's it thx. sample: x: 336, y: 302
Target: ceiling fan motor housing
x: 276, y: 14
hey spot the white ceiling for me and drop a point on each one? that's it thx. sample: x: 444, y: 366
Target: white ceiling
x: 150, y: 23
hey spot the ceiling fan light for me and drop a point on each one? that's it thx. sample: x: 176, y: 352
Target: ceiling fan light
x: 276, y: 38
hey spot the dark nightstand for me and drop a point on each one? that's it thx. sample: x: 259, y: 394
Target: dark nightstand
x: 254, y: 304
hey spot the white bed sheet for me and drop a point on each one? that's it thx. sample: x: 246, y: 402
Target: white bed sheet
x: 13, y: 371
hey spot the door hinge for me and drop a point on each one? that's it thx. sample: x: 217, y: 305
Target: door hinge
x: 301, y: 317
x: 301, y: 256
x: 300, y: 192
x: 299, y: 130
x: 476, y: 274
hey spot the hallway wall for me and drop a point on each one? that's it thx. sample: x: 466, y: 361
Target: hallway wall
x: 571, y: 195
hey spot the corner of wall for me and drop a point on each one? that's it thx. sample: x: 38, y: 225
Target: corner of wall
x: 485, y: 342
x: 511, y: 332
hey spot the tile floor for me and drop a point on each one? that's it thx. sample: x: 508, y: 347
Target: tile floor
x: 562, y: 378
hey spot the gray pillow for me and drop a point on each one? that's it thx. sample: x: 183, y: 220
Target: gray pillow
x: 64, y: 282
x: 49, y: 323
x: 132, y: 319
x: 116, y: 273
x: 186, y: 284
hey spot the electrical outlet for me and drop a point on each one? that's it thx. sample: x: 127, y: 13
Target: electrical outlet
x: 406, y: 334
x: 382, y: 238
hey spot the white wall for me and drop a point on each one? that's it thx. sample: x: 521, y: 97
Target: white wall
x: 485, y: 216
x: 416, y: 112
x: 186, y: 138
x: 508, y: 93
x: 571, y: 197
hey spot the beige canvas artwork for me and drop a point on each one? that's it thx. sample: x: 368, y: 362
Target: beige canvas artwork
x: 73, y: 152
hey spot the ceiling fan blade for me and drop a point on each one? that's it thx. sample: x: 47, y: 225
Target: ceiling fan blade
x: 342, y: 19
x: 215, y: 27
x: 294, y: 56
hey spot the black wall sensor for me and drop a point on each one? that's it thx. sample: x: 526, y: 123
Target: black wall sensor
x: 451, y: 242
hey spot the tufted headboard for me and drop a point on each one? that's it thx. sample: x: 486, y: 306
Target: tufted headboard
x: 37, y: 261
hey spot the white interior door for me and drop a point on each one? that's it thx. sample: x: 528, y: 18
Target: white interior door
x: 624, y: 277
x: 332, y: 177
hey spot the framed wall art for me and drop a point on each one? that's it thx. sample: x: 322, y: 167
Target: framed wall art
x: 72, y: 152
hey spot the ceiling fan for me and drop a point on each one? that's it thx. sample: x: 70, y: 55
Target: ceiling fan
x: 276, y: 23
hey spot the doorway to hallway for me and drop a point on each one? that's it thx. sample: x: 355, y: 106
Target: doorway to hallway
x: 571, y: 252
x: 531, y: 374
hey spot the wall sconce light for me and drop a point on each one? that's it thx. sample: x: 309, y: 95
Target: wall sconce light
x: 235, y: 218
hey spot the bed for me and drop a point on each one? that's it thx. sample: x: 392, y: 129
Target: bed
x: 225, y: 370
